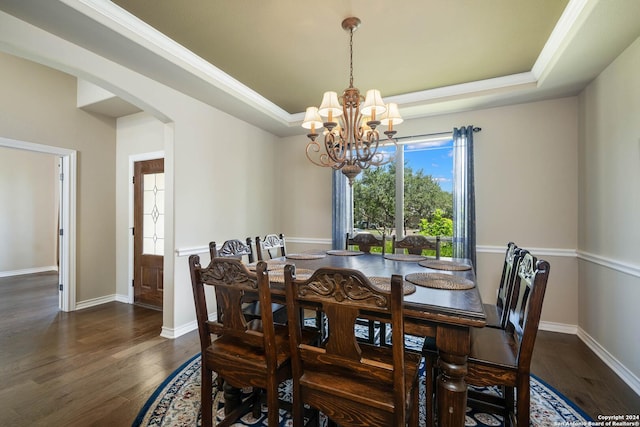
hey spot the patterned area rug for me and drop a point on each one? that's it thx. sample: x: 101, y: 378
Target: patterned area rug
x: 177, y: 403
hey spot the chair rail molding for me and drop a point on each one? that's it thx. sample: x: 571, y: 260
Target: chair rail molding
x: 197, y: 250
x: 559, y: 252
x: 619, y: 266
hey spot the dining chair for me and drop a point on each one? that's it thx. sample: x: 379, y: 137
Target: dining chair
x: 365, y: 241
x: 510, y: 269
x: 352, y: 383
x: 502, y: 357
x: 235, y: 248
x: 414, y: 244
x: 496, y: 313
x: 245, y: 353
x: 272, y: 244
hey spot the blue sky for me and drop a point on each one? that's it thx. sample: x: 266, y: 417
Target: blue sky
x: 435, y: 158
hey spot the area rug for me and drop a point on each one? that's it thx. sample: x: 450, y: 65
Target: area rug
x: 176, y: 403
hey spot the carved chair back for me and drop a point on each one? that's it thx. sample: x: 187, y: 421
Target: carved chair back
x: 526, y: 305
x: 507, y: 281
x: 365, y: 241
x: 414, y: 244
x: 272, y: 244
x: 231, y: 280
x: 233, y: 248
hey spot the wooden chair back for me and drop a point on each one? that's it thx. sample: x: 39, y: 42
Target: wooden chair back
x: 231, y: 280
x: 237, y: 249
x: 526, y: 305
x: 272, y: 244
x: 415, y: 244
x: 327, y: 376
x: 365, y: 241
x: 507, y: 280
x: 233, y: 248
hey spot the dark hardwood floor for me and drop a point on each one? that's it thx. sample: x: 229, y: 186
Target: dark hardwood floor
x: 98, y: 366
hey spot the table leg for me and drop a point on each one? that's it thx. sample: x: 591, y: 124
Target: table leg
x: 453, y: 350
x: 232, y: 398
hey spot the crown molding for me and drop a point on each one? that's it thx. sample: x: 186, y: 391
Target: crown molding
x: 561, y: 34
x: 124, y: 23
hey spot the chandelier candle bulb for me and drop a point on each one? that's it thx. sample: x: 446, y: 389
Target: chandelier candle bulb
x: 330, y: 106
x: 373, y: 104
x: 391, y: 117
x: 312, y: 121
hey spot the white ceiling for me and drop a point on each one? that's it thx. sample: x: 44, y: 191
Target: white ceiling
x: 264, y: 62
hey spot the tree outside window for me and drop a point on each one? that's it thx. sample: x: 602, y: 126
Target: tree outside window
x: 427, y: 207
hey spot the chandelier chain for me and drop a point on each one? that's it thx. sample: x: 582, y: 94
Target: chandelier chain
x: 351, y: 58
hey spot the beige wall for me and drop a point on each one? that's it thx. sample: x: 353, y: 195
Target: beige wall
x: 609, y: 203
x: 38, y: 105
x: 28, y: 211
x: 526, y: 191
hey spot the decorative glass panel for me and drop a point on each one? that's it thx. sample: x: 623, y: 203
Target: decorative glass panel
x: 153, y: 214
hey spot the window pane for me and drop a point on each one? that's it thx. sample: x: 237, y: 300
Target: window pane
x: 153, y: 214
x: 426, y: 202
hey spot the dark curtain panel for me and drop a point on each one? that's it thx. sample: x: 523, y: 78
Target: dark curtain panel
x: 464, y: 199
x: 341, y: 209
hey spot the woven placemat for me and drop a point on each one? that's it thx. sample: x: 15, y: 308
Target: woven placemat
x: 384, y: 284
x: 441, y: 264
x: 272, y: 264
x: 339, y: 252
x: 405, y: 257
x: 278, y: 275
x: 306, y: 256
x: 440, y: 281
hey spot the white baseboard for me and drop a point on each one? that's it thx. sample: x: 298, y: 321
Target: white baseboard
x: 95, y: 301
x: 558, y: 327
x: 123, y: 298
x: 618, y: 368
x: 28, y: 271
x: 625, y: 374
x: 173, y: 333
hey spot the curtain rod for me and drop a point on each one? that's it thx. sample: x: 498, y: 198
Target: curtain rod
x: 475, y: 129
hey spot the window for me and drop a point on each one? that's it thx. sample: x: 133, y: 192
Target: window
x: 153, y: 214
x: 417, y: 200
x: 463, y: 194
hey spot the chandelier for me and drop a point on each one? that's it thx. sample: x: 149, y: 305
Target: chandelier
x: 351, y: 139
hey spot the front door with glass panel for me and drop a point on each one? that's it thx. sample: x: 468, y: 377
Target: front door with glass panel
x: 149, y: 191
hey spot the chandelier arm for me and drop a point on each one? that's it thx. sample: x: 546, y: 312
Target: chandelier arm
x: 335, y: 147
x: 323, y: 159
x: 367, y: 145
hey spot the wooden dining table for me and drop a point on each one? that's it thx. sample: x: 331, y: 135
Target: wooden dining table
x: 445, y: 314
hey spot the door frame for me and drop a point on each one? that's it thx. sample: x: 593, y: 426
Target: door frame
x: 67, y: 267
x: 132, y: 160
